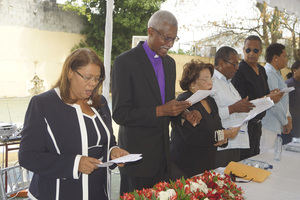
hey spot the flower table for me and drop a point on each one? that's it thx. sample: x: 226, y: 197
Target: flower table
x: 207, y: 186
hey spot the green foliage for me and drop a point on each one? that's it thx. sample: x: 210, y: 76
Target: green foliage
x: 215, y: 179
x: 182, y: 52
x: 130, y: 17
x: 270, y: 26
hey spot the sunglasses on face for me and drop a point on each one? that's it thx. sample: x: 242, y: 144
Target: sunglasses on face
x: 248, y: 50
x: 233, y: 178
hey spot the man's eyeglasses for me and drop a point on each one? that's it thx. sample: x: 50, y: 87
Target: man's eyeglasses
x: 166, y: 39
x: 89, y: 79
x: 248, y: 50
x: 235, y: 65
x: 233, y: 178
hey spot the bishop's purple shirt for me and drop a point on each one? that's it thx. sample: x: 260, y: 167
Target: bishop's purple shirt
x: 156, y: 62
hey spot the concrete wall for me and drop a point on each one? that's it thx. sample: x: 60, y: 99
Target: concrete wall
x: 39, y: 14
x: 35, y: 37
x: 26, y: 51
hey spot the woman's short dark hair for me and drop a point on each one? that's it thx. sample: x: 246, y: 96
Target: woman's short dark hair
x: 76, y: 60
x: 294, y: 66
x: 272, y: 50
x: 191, y: 72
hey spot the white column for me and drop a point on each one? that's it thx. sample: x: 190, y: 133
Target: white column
x: 107, y: 46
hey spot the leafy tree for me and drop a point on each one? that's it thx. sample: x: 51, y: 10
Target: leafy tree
x: 130, y: 18
x: 270, y: 25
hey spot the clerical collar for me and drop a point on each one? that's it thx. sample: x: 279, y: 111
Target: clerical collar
x: 149, y: 51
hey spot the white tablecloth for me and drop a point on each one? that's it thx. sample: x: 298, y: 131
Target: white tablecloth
x: 282, y: 184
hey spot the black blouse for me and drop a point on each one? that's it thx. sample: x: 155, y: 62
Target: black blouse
x: 294, y: 103
x: 192, y: 148
x: 248, y: 83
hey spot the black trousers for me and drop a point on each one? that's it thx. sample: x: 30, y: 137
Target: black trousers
x: 224, y: 157
x: 286, y: 138
x: 254, y: 131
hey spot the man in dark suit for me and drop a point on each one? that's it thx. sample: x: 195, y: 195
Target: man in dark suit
x: 143, y: 100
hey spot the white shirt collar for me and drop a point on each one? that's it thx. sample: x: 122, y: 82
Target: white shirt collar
x: 271, y: 67
x: 219, y: 75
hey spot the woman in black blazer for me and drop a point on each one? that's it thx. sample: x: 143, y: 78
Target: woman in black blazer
x: 68, y: 132
x: 193, y: 146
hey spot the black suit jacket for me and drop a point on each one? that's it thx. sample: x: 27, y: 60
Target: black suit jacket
x: 135, y: 96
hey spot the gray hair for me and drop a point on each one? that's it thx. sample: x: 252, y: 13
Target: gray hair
x: 159, y: 18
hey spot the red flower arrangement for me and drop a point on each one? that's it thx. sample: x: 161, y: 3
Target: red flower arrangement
x: 208, y: 186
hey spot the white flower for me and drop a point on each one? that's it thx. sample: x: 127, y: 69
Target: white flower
x: 222, y: 176
x: 166, y: 195
x: 230, y: 194
x: 206, y: 198
x: 201, y: 182
x: 199, y: 185
x: 220, y: 183
x: 204, y: 186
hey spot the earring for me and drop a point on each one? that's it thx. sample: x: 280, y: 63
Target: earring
x: 90, y: 102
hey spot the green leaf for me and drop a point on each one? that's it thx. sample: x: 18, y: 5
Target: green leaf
x: 130, y: 17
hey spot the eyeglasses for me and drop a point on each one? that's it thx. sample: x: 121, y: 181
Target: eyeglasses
x: 205, y: 79
x: 166, y: 39
x: 235, y: 65
x: 233, y: 178
x: 248, y: 50
x: 89, y: 79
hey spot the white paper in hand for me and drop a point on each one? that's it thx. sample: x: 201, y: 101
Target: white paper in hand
x: 123, y: 159
x: 287, y: 90
x: 261, y: 105
x: 198, y: 96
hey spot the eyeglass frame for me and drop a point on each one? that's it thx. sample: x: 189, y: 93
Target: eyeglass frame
x: 255, y: 50
x: 235, y: 65
x: 166, y: 39
x: 205, y: 79
x: 86, y: 79
x: 234, y: 176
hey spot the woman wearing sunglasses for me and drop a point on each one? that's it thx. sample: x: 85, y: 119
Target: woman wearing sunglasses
x: 250, y: 80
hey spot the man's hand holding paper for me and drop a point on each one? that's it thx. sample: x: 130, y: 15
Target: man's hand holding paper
x: 261, y: 105
x: 240, y: 106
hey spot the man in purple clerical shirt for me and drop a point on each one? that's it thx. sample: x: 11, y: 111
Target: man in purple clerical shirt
x: 143, y: 103
x: 157, y: 65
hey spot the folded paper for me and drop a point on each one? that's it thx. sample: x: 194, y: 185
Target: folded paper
x: 123, y: 159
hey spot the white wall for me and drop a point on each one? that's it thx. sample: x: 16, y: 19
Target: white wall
x: 24, y: 51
